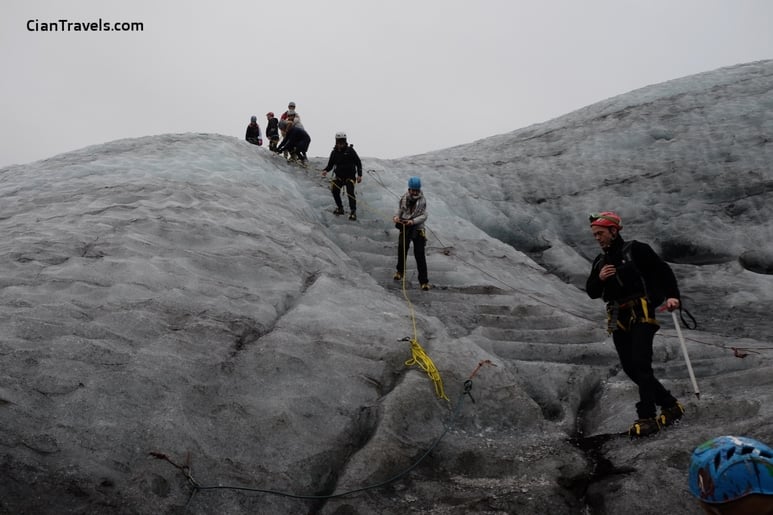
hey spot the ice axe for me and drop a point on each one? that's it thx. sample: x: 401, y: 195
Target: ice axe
x: 686, y: 356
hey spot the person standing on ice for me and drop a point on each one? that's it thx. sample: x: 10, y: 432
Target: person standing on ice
x: 633, y: 280
x: 272, y: 131
x: 409, y: 219
x: 253, y: 132
x: 346, y: 165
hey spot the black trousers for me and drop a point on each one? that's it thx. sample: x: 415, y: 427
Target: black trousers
x: 339, y: 183
x: 634, y: 348
x: 408, y: 235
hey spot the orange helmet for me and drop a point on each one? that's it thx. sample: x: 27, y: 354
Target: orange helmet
x: 606, y: 219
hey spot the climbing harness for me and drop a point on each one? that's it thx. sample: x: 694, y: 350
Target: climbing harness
x: 621, y: 316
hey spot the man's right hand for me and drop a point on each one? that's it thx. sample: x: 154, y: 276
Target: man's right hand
x: 606, y: 272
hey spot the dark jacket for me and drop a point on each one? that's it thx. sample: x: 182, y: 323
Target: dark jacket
x: 346, y: 162
x: 296, y: 139
x: 639, y: 272
x: 272, y: 129
x: 253, y: 131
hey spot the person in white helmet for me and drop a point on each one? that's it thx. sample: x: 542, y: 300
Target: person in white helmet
x: 290, y: 107
x: 347, y: 166
x: 294, y: 118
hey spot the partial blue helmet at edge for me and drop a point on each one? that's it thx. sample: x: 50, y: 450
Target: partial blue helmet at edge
x: 727, y: 468
x: 414, y: 183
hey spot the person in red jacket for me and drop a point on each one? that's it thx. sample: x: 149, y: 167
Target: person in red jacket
x: 290, y: 107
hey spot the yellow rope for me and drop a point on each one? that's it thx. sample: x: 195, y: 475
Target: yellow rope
x: 423, y: 361
x: 419, y: 356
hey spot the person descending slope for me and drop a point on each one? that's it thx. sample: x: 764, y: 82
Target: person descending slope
x: 634, y: 281
x: 296, y: 142
x: 346, y: 165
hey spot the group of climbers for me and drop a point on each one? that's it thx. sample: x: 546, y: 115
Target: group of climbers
x: 728, y: 475
x: 411, y: 213
x: 346, y: 166
x: 295, y: 140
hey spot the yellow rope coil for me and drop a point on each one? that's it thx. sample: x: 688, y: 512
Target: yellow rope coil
x: 423, y: 361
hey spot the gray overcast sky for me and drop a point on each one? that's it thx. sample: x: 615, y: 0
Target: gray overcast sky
x: 400, y: 77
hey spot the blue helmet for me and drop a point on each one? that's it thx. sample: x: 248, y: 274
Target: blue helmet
x: 414, y: 183
x: 730, y: 467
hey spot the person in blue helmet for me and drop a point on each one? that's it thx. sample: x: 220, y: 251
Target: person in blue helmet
x: 409, y: 219
x: 733, y: 475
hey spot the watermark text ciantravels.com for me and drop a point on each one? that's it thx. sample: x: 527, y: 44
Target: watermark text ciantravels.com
x: 100, y: 25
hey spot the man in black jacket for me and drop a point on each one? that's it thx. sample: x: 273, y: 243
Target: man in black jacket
x: 633, y: 280
x: 348, y: 169
x: 272, y: 131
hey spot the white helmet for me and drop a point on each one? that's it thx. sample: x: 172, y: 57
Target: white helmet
x: 340, y: 135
